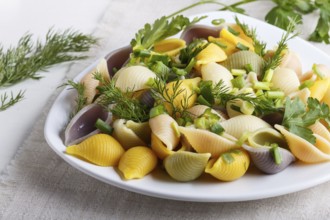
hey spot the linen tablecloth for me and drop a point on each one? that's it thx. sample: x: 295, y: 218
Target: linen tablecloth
x: 38, y: 184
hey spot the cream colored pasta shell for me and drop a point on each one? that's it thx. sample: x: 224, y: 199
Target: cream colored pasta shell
x: 141, y: 129
x: 265, y: 136
x: 240, y: 59
x: 137, y: 162
x: 302, y: 149
x: 133, y: 78
x: 216, y: 72
x: 236, y: 126
x: 229, y: 166
x: 198, y: 110
x: 302, y: 94
x: 320, y: 129
x: 163, y: 126
x: 291, y: 60
x: 286, y: 80
x: 90, y: 83
x: 186, y: 166
x: 126, y: 136
x: 204, y: 141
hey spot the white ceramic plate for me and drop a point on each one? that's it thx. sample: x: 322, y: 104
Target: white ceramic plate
x: 254, y: 185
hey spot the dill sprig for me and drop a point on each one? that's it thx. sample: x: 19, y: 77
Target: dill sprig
x: 259, y: 46
x: 8, y: 101
x: 165, y: 95
x: 27, y: 58
x: 80, y: 99
x: 275, y: 60
x: 262, y: 105
x: 122, y: 104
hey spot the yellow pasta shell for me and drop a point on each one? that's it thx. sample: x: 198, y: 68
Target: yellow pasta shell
x: 100, y: 149
x: 225, y: 34
x: 229, y: 166
x: 187, y: 94
x: 159, y: 147
x: 170, y: 46
x: 211, y: 53
x: 137, y: 162
x: 304, y: 150
x: 319, y: 88
x: 186, y: 166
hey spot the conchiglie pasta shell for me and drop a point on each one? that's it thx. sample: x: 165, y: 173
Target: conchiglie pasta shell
x: 326, y: 97
x: 90, y: 83
x: 170, y: 46
x: 216, y: 72
x: 236, y: 126
x: 225, y: 170
x: 162, y: 126
x: 198, y: 110
x: 126, y: 136
x: 263, y: 159
x: 187, y: 95
x: 302, y: 149
x: 211, y: 53
x: 291, y: 60
x: 286, y: 80
x: 204, y: 141
x: 100, y: 149
x: 319, y: 88
x: 159, y: 147
x: 240, y: 59
x: 137, y: 162
x: 133, y: 78
x: 186, y: 166
x: 265, y: 136
x: 301, y: 94
x: 319, y: 129
x: 141, y: 129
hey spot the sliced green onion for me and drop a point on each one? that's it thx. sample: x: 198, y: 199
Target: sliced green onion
x: 218, y: 21
x: 201, y: 123
x: 217, y: 129
x: 103, y: 126
x: 243, y: 138
x: 261, y: 85
x: 238, y: 72
x: 157, y: 110
x: 238, y: 82
x: 268, y: 75
x: 275, y: 94
x: 317, y: 71
x: 275, y: 151
x: 228, y: 158
x: 231, y: 30
x: 241, y: 46
x: 174, y: 126
x: 249, y: 67
x: 306, y: 84
x: 201, y: 100
x: 247, y: 108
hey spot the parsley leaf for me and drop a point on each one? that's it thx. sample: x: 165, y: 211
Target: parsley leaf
x: 298, y: 117
x: 321, y: 32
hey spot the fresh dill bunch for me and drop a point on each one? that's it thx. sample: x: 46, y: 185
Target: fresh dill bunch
x: 80, y: 99
x: 28, y: 57
x: 122, y: 104
x: 262, y: 105
x: 8, y: 101
x: 275, y: 60
x: 259, y: 46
